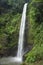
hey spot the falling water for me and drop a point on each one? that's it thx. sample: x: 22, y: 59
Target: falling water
x: 19, y: 57
x: 21, y: 33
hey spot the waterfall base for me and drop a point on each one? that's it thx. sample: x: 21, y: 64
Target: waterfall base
x: 10, y: 60
x: 17, y: 59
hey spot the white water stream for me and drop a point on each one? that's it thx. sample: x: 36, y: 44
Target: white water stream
x: 21, y: 33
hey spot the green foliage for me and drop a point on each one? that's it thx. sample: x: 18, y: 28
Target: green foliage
x: 15, y: 6
x: 9, y: 30
x: 36, y: 63
x: 35, y: 54
x: 35, y: 32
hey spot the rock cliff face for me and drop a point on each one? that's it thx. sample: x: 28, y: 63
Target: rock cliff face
x: 10, y: 19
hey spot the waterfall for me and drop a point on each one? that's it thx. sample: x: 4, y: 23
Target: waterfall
x: 19, y: 57
x: 21, y: 33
